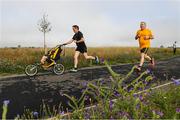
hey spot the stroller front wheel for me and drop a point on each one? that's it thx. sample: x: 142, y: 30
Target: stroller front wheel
x: 31, y: 70
x: 58, y: 69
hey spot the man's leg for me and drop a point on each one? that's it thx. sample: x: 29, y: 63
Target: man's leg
x: 91, y: 57
x: 88, y: 57
x: 147, y: 57
x: 76, y: 55
x: 142, y: 60
x: 150, y: 59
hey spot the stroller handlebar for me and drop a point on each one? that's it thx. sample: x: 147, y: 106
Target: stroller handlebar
x: 61, y: 45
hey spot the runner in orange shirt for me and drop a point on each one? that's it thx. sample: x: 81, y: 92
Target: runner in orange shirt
x: 144, y: 36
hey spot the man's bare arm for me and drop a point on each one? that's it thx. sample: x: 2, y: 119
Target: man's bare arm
x: 137, y: 37
x: 69, y: 42
x: 151, y: 37
x: 148, y: 37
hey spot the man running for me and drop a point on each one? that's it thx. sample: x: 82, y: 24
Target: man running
x: 144, y: 36
x: 81, y: 47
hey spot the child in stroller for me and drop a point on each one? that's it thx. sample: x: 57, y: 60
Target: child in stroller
x: 51, y: 59
x: 52, y: 56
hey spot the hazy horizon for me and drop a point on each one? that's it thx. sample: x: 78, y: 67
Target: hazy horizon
x: 104, y: 22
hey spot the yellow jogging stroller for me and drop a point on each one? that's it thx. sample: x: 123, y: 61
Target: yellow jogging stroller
x: 53, y: 56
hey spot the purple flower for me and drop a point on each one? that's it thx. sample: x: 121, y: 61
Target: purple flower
x: 141, y: 97
x: 61, y: 112
x: 140, y: 89
x: 116, y: 93
x: 154, y: 77
x: 87, y: 115
x: 157, y: 112
x: 102, y: 60
x: 178, y: 110
x: 123, y: 114
x: 6, y: 102
x: 84, y: 84
x: 160, y: 113
x: 176, y: 81
x: 148, y: 71
x: 135, y: 95
x: 137, y: 106
x: 111, y: 118
x: 111, y: 104
x: 146, y: 115
x: 130, y: 89
x: 102, y: 81
x: 86, y: 97
x: 35, y: 114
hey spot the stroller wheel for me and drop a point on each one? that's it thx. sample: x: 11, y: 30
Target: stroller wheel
x: 31, y: 70
x: 58, y: 69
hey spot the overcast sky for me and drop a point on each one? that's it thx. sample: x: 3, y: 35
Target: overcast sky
x: 103, y: 22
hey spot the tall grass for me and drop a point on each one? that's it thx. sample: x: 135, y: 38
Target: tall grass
x: 15, y: 60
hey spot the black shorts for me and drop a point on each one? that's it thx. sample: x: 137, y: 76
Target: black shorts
x: 81, y: 49
x: 144, y: 50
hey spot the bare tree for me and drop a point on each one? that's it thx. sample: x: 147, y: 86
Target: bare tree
x: 44, y: 26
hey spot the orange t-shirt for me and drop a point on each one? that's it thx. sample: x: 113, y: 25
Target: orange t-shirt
x: 142, y: 42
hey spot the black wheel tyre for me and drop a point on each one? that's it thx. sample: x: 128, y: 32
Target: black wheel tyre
x: 58, y: 69
x: 31, y: 70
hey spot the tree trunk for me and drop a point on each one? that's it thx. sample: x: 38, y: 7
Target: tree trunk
x: 45, y: 51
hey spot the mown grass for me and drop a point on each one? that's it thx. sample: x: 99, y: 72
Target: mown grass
x: 14, y: 60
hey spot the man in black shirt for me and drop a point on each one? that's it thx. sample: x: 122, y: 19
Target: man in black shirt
x: 81, y: 47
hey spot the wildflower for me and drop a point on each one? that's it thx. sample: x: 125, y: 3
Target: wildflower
x: 176, y: 81
x: 6, y: 102
x: 130, y: 89
x: 35, y: 114
x: 111, y: 104
x: 116, y: 93
x: 123, y: 114
x: 111, y: 118
x: 157, y: 112
x: 135, y: 95
x: 148, y: 71
x: 61, y: 112
x: 84, y: 84
x: 178, y: 110
x: 160, y: 113
x: 102, y: 60
x: 86, y: 97
x: 102, y: 82
x: 137, y: 106
x: 141, y: 98
x: 87, y: 115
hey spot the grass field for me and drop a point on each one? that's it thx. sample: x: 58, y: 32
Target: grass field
x: 14, y: 60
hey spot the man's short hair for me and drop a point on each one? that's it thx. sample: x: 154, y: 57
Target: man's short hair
x: 76, y: 26
x: 143, y: 22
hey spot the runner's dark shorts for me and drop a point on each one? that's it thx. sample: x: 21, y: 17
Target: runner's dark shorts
x: 144, y: 50
x: 81, y: 49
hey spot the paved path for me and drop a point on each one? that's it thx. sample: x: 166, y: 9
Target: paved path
x: 23, y: 91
